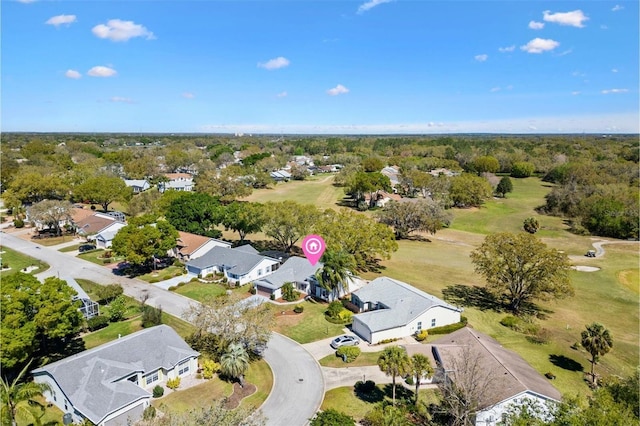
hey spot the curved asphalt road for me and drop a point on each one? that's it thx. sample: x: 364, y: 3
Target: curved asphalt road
x: 298, y: 386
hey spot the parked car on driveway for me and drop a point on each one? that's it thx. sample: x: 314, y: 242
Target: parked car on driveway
x: 344, y: 340
x: 86, y: 247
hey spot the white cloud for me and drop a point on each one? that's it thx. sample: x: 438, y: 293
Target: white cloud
x: 608, y: 91
x: 118, y: 30
x: 101, y: 71
x: 371, y: 4
x: 495, y: 89
x: 536, y: 25
x: 27, y: 1
x: 72, y: 74
x: 338, y: 90
x: 566, y: 52
x: 539, y: 45
x: 574, y: 18
x: 578, y: 74
x: 275, y: 63
x: 121, y: 99
x: 188, y: 95
x: 617, y: 7
x: 507, y: 49
x: 509, y: 87
x: 481, y: 58
x: 282, y: 95
x: 61, y: 19
x: 575, y: 93
x: 614, y: 70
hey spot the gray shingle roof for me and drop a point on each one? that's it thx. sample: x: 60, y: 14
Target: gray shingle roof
x: 512, y: 374
x: 295, y: 269
x: 403, y: 303
x: 92, y: 380
x: 238, y: 261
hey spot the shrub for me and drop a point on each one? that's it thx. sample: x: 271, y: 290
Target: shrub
x: 382, y: 342
x: 18, y: 223
x: 96, y: 323
x: 109, y: 292
x: 345, y: 315
x: 272, y: 297
x: 289, y: 292
x: 173, y: 288
x: 409, y: 380
x: 154, y: 280
x: 334, y: 309
x: 117, y: 309
x: 364, y: 387
x: 151, y: 316
x: 351, y: 306
x: 181, y: 284
x: 298, y: 309
x: 158, y: 391
x: 550, y: 376
x: 446, y: 329
x: 576, y: 345
x: 149, y: 413
x: 253, y: 290
x: 209, y: 368
x: 511, y: 322
x: 422, y: 335
x: 522, y: 169
x: 541, y: 337
x: 174, y: 383
x: 4, y: 265
x: 348, y: 353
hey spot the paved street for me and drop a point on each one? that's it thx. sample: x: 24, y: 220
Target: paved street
x: 298, y: 386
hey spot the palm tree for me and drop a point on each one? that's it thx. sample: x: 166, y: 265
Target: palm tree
x: 336, y: 270
x: 17, y: 396
x: 235, y: 362
x: 394, y: 361
x: 597, y: 341
x: 420, y: 367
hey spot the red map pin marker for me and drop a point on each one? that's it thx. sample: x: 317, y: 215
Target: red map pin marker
x: 313, y: 247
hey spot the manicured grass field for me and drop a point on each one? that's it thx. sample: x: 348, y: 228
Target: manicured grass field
x: 162, y: 274
x: 364, y: 359
x: 199, y: 291
x: 18, y: 261
x: 308, y: 326
x: 52, y: 414
x: 317, y: 190
x: 259, y: 374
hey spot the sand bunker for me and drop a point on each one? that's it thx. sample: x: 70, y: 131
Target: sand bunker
x: 585, y: 268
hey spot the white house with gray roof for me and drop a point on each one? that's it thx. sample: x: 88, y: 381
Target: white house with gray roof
x: 296, y: 270
x: 392, y: 309
x: 110, y: 385
x: 239, y: 265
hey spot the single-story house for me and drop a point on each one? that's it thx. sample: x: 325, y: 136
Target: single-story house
x: 104, y: 238
x: 280, y: 175
x: 177, y: 182
x: 137, y: 185
x: 239, y: 265
x: 94, y: 224
x: 296, y: 270
x: 511, y: 380
x: 392, y: 309
x: 110, y: 385
x: 381, y: 198
x: 191, y: 246
x: 393, y: 173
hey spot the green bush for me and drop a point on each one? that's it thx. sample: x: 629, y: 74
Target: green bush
x: 158, y: 391
x: 173, y: 288
x: 109, y: 292
x: 174, y: 383
x: 345, y: 316
x: 511, y: 322
x: 522, y: 169
x: 289, y: 292
x: 446, y: 329
x: 154, y: 280
x: 117, y: 309
x: 272, y: 296
x: 348, y: 353
x: 149, y: 413
x: 383, y: 341
x: 409, y: 380
x: 181, y: 284
x: 18, y: 223
x: 253, y: 290
x: 298, y: 309
x: 96, y: 323
x: 334, y: 309
x: 151, y: 316
x: 422, y: 335
x: 541, y: 337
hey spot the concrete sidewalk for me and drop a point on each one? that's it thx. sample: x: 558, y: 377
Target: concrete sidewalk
x: 348, y: 376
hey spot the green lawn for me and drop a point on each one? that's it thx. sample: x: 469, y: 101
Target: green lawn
x: 68, y: 249
x: 96, y: 256
x: 259, y: 374
x: 317, y: 190
x: 51, y: 414
x: 308, y: 326
x: 162, y: 274
x: 54, y: 241
x: 199, y: 291
x: 18, y: 261
x: 195, y: 397
x: 364, y: 359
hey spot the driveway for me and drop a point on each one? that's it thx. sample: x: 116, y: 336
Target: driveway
x: 298, y: 386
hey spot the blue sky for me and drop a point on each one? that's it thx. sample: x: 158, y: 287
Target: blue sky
x: 347, y: 67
